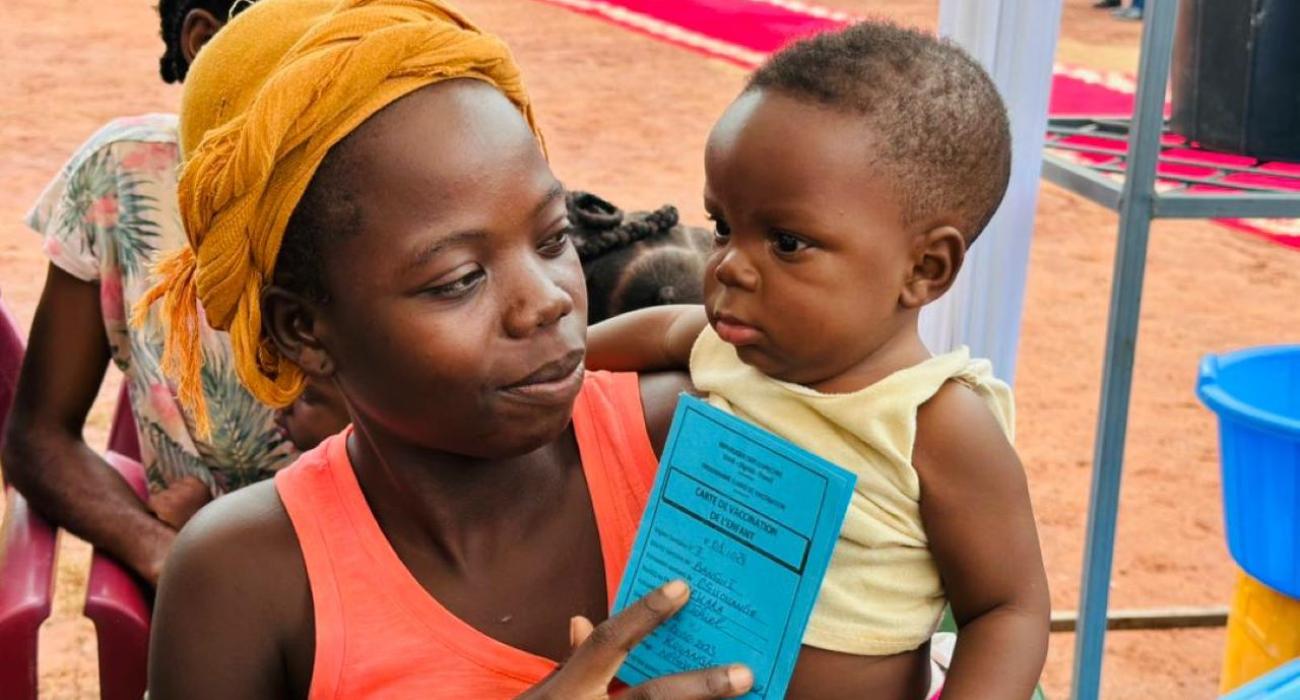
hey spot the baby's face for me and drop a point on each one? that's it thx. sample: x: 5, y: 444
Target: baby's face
x: 811, y: 254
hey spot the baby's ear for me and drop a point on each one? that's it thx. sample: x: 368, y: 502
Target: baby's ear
x: 293, y: 324
x: 937, y: 255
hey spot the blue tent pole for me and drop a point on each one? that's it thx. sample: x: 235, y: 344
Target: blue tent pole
x: 1135, y: 212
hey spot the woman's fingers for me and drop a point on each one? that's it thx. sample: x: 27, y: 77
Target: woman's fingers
x: 177, y: 503
x: 579, y: 629
x: 707, y: 684
x: 601, y: 654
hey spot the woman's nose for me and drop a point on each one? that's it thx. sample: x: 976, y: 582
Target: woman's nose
x: 539, y: 302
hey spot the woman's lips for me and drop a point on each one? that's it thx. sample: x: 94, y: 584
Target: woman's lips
x: 554, y: 382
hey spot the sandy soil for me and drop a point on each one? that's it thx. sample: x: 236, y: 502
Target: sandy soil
x: 627, y: 116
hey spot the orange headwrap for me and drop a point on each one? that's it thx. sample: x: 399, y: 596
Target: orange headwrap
x: 264, y: 102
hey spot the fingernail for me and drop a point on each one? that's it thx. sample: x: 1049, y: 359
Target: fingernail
x: 675, y: 589
x: 740, y: 677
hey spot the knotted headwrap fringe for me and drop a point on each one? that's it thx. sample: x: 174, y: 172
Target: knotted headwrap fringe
x: 265, y: 101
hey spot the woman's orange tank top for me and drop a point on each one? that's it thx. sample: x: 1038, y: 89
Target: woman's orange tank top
x: 378, y: 632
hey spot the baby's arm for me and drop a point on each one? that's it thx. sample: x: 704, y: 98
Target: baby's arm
x: 980, y: 525
x: 646, y: 340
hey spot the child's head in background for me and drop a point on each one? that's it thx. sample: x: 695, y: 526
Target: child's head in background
x: 636, y: 260
x: 185, y: 26
x: 316, y: 414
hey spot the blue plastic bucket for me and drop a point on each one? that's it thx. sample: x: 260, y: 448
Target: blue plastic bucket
x: 1256, y: 394
x: 1282, y: 684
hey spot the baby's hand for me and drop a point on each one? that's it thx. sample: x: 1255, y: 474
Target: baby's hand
x: 177, y: 503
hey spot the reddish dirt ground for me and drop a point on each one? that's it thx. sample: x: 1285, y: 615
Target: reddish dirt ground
x: 627, y: 116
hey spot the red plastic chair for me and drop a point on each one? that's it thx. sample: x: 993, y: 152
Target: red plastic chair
x: 115, y: 600
x: 27, y: 556
x: 117, y: 604
x: 122, y: 437
x: 11, y: 361
x: 27, y: 551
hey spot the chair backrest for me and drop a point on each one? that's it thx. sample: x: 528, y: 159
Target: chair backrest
x: 27, y: 551
x: 117, y: 604
x: 11, y: 361
x: 27, y: 555
x: 122, y: 437
x: 115, y: 600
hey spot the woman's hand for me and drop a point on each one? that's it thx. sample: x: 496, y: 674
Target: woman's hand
x: 177, y: 503
x: 599, y: 652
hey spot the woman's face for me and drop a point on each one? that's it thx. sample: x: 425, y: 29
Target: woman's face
x: 457, y: 319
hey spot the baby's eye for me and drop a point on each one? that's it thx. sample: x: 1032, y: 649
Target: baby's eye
x: 788, y: 243
x: 721, y: 231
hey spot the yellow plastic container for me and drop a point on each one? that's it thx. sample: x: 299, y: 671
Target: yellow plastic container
x: 1263, y: 633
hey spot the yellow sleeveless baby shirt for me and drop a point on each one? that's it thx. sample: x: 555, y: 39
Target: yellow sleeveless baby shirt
x: 882, y: 594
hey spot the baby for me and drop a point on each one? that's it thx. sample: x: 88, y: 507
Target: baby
x: 846, y: 183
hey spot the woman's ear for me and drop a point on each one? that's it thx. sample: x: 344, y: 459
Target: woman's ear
x: 196, y: 29
x: 294, y: 325
x: 937, y: 256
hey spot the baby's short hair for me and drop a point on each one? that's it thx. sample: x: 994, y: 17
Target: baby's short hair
x: 940, y: 124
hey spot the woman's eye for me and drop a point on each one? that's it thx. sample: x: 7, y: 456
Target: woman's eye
x: 788, y: 244
x: 555, y: 245
x: 458, y: 287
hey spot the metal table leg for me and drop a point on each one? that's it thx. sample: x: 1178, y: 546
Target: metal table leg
x: 1135, y: 209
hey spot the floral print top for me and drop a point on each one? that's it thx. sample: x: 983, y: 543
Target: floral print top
x: 109, y: 215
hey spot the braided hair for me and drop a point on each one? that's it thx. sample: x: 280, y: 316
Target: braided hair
x: 171, y: 14
x: 636, y: 260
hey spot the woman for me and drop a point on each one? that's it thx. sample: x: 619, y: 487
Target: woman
x: 107, y: 218
x: 369, y: 207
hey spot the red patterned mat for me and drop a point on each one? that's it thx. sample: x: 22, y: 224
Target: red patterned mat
x: 743, y: 32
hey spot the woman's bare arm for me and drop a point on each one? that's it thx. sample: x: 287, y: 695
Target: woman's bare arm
x: 44, y: 454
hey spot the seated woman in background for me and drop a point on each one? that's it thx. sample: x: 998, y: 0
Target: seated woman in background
x: 106, y: 219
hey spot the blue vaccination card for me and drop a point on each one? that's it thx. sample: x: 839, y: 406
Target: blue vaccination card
x: 749, y: 520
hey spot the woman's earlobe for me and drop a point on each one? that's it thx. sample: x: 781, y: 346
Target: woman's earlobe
x: 292, y: 324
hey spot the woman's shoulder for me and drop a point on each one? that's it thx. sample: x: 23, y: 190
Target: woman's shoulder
x: 243, y: 549
x: 635, y: 405
x: 143, y: 128
x: 235, y: 586
x: 125, y: 171
x: 126, y: 132
x: 246, y: 529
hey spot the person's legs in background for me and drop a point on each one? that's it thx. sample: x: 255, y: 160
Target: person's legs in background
x: 1132, y: 12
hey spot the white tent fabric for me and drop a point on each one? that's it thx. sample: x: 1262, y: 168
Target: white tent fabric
x: 1015, y: 40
